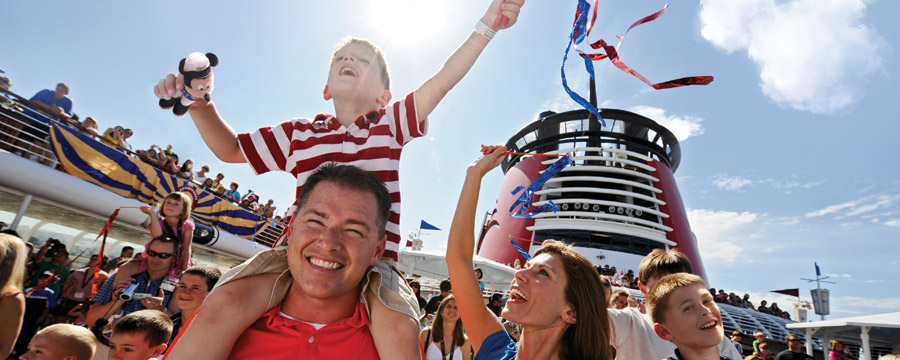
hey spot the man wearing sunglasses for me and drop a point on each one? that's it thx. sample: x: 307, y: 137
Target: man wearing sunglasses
x: 795, y: 349
x: 161, y: 255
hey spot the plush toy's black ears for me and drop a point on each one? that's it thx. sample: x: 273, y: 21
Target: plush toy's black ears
x: 181, y: 66
x: 213, y: 59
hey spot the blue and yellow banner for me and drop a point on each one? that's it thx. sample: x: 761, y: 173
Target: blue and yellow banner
x: 88, y: 159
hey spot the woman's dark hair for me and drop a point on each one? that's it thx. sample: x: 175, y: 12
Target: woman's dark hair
x: 437, y: 327
x: 589, y: 337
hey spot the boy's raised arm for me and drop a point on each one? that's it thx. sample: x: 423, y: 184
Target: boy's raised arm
x: 434, y: 89
x: 218, y: 135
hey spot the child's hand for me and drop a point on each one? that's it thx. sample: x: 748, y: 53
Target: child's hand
x: 508, y: 9
x: 147, y: 210
x: 169, y: 87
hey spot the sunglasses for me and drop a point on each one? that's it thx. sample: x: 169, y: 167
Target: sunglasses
x: 159, y: 255
x: 797, y: 340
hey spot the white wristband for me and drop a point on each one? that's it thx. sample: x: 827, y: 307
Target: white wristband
x: 482, y: 29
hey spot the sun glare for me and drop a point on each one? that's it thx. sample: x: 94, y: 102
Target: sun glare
x: 408, y: 21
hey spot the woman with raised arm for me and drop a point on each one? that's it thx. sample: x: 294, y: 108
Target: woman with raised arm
x: 554, y: 297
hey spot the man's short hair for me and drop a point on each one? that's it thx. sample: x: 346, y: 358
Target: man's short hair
x: 790, y: 336
x: 156, y: 326
x: 658, y: 297
x: 208, y: 272
x: 660, y: 263
x: 126, y: 248
x: 445, y: 285
x: 63, y: 85
x: 352, y: 177
x: 379, y: 57
x: 619, y: 292
x: 71, y: 340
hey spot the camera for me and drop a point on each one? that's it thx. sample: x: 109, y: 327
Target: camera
x: 128, y: 293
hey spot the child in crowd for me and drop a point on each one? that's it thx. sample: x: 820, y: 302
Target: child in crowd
x: 140, y: 335
x: 174, y: 220
x: 760, y: 339
x: 194, y: 285
x: 61, y: 342
x: 685, y: 313
x: 367, y: 131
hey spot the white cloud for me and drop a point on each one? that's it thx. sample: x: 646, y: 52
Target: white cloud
x: 874, y: 281
x: 732, y: 183
x: 858, y: 206
x: 719, y: 232
x: 682, y: 126
x: 792, y: 183
x: 802, y: 47
x: 894, y: 223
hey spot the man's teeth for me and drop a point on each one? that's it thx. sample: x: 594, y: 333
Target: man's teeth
x: 516, y: 294
x: 708, y: 325
x: 348, y: 71
x: 325, y: 264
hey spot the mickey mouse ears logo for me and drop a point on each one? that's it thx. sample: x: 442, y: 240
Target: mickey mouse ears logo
x: 190, y: 191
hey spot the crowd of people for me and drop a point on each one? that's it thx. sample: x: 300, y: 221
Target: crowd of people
x: 745, y: 303
x: 55, y: 105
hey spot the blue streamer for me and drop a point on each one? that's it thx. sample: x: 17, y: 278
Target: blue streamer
x: 521, y: 251
x: 579, y: 32
x: 525, y: 199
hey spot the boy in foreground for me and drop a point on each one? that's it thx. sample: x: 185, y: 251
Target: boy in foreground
x: 61, y: 342
x: 140, y: 335
x: 684, y: 312
x: 367, y: 131
x: 634, y: 331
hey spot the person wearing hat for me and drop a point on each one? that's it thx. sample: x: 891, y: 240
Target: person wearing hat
x: 58, y: 257
x: 54, y: 102
x: 763, y: 354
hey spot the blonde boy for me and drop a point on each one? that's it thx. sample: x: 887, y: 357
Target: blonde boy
x: 367, y: 131
x: 683, y: 312
x: 61, y: 342
x: 140, y: 335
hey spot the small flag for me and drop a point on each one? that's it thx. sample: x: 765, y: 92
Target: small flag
x: 426, y: 226
x: 818, y: 273
x: 791, y: 292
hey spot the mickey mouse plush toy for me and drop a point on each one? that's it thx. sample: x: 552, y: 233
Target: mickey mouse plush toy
x: 196, y: 69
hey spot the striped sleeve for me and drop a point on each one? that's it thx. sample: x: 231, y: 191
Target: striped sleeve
x: 404, y: 121
x: 268, y: 148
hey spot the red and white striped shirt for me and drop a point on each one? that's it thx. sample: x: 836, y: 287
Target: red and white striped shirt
x: 373, y: 143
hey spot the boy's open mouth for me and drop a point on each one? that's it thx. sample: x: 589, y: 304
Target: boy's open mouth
x: 709, y: 325
x: 348, y: 71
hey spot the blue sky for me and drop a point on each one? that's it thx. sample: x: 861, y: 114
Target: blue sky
x: 788, y: 157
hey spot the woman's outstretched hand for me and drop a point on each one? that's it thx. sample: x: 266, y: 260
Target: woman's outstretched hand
x: 491, y: 158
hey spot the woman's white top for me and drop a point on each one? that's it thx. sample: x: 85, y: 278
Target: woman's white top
x: 434, y: 353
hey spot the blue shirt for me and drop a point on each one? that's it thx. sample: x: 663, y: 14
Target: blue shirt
x: 104, y: 294
x: 47, y: 294
x: 235, y: 193
x: 46, y: 96
x: 497, y: 346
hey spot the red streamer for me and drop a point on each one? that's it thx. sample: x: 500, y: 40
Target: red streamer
x: 613, y: 55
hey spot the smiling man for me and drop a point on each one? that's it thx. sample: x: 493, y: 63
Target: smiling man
x: 337, y: 236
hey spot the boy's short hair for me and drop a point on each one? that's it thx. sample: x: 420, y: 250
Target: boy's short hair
x: 445, y: 285
x: 156, y: 326
x: 618, y: 293
x: 208, y: 272
x: 379, y: 56
x: 658, y: 296
x: 661, y: 262
x: 72, y: 340
x: 758, y: 334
